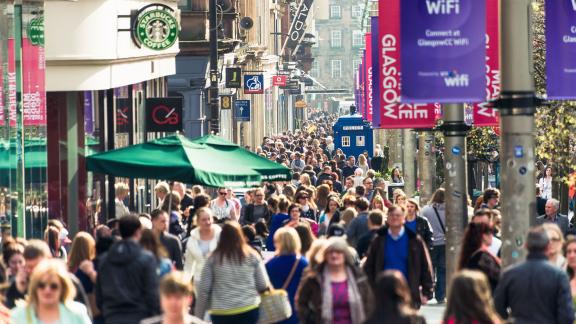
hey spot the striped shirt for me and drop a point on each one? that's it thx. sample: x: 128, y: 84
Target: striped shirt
x: 230, y: 288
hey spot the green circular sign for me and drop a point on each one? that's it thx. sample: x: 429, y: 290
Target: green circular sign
x: 35, y: 31
x: 157, y: 29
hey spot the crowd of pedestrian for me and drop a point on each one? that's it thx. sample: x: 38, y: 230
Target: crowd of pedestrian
x: 334, y: 242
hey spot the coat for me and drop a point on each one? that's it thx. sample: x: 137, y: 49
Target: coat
x: 193, y: 258
x: 561, y: 221
x: 71, y: 313
x: 536, y: 292
x: 419, y: 265
x: 309, y: 295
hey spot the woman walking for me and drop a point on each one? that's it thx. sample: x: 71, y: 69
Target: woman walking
x: 286, y: 267
x: 232, y: 279
x: 331, y: 215
x: 475, y: 254
x: 202, y: 241
x: 335, y: 291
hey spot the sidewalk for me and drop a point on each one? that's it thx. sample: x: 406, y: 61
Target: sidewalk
x: 433, y: 312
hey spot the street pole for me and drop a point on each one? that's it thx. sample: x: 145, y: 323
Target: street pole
x: 517, y: 104
x: 456, y: 191
x: 426, y: 164
x: 408, y: 159
x: 214, y: 124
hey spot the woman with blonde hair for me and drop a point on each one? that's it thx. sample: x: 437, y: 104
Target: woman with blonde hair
x: 554, y: 253
x: 470, y: 300
x: 363, y: 164
x: 286, y: 267
x: 400, y: 198
x: 201, y: 242
x: 305, y: 180
x: 378, y: 203
x: 50, y: 297
x: 81, y: 264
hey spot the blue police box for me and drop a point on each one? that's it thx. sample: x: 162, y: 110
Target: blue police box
x: 353, y: 135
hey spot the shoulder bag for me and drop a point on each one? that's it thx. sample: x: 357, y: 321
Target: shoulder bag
x: 275, y: 304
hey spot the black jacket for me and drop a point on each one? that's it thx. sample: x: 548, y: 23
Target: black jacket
x: 536, y: 292
x: 127, y: 284
x: 248, y: 214
x: 424, y: 229
x: 173, y: 246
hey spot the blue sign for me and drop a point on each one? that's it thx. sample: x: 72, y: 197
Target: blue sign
x: 253, y: 83
x: 456, y: 150
x: 242, y: 110
x: 518, y: 151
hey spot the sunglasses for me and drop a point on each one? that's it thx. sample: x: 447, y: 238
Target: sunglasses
x: 223, y: 193
x: 52, y: 285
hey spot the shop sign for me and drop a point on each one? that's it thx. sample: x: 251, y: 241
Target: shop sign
x: 242, y: 110
x: 279, y: 80
x: 253, y: 83
x: 233, y: 77
x: 298, y: 26
x: 225, y: 102
x: 123, y: 115
x: 35, y: 31
x: 155, y: 27
x: 300, y: 104
x: 164, y: 114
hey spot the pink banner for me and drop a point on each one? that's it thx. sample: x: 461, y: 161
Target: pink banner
x: 368, y: 89
x: 33, y: 80
x: 484, y: 115
x: 11, y: 83
x: 392, y: 113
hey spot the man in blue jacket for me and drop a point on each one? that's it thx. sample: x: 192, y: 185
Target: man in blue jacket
x: 535, y: 291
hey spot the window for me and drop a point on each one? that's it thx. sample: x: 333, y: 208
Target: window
x: 356, y: 11
x: 356, y: 64
x: 336, y: 67
x: 345, y: 141
x: 336, y: 38
x: 358, y: 38
x: 335, y: 12
x: 315, y: 70
x: 360, y: 141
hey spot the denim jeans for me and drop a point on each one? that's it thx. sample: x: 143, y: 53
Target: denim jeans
x: 250, y: 317
x: 438, y: 255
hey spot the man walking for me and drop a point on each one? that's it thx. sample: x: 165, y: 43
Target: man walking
x: 535, y: 291
x: 127, y: 284
x: 435, y: 213
x: 170, y: 242
x: 359, y: 225
x: 398, y: 248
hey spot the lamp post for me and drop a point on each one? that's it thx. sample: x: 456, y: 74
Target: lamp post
x: 214, y: 124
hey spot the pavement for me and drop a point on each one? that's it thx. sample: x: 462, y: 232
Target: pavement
x: 433, y: 312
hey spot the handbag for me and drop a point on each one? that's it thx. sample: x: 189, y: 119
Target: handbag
x: 274, y: 303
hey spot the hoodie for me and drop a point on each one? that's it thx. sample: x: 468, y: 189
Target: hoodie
x: 127, y: 284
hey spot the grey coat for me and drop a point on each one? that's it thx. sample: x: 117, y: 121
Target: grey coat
x: 536, y: 292
x: 561, y: 221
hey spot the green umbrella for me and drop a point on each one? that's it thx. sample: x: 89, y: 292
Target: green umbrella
x: 208, y: 160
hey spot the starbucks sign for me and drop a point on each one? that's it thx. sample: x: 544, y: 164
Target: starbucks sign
x: 35, y: 31
x: 155, y: 27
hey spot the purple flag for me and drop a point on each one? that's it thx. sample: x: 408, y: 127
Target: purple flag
x: 375, y: 75
x: 561, y: 49
x: 443, y: 51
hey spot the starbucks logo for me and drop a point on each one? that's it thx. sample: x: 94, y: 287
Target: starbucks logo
x: 157, y: 29
x: 35, y: 31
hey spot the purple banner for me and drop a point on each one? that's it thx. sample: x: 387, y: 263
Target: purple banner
x: 88, y: 111
x: 375, y: 74
x: 561, y: 49
x: 443, y: 51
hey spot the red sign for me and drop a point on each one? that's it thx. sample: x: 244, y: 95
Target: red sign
x: 369, y: 87
x: 392, y: 113
x: 279, y: 80
x: 34, y: 84
x: 484, y: 115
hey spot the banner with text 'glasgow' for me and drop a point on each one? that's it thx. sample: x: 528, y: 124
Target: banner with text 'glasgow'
x: 443, y: 51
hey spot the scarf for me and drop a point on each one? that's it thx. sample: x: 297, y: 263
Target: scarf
x: 354, y: 298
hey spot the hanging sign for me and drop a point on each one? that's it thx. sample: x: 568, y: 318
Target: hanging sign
x: 253, y: 83
x: 443, y: 51
x: 368, y: 69
x: 242, y: 110
x: 34, y: 84
x: 155, y: 27
x: 163, y: 114
x: 394, y: 114
x: 298, y: 26
x: 225, y: 102
x: 279, y: 80
x: 561, y: 49
x: 363, y: 85
x: 233, y: 77
x: 483, y: 114
x: 375, y: 75
x: 123, y: 115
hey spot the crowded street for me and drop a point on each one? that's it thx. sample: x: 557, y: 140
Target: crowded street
x: 287, y: 161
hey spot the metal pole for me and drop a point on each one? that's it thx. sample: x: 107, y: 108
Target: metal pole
x: 426, y: 163
x: 408, y: 159
x: 214, y: 123
x: 517, y: 106
x: 455, y: 173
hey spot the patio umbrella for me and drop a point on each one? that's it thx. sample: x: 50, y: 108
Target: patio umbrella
x: 208, y: 160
